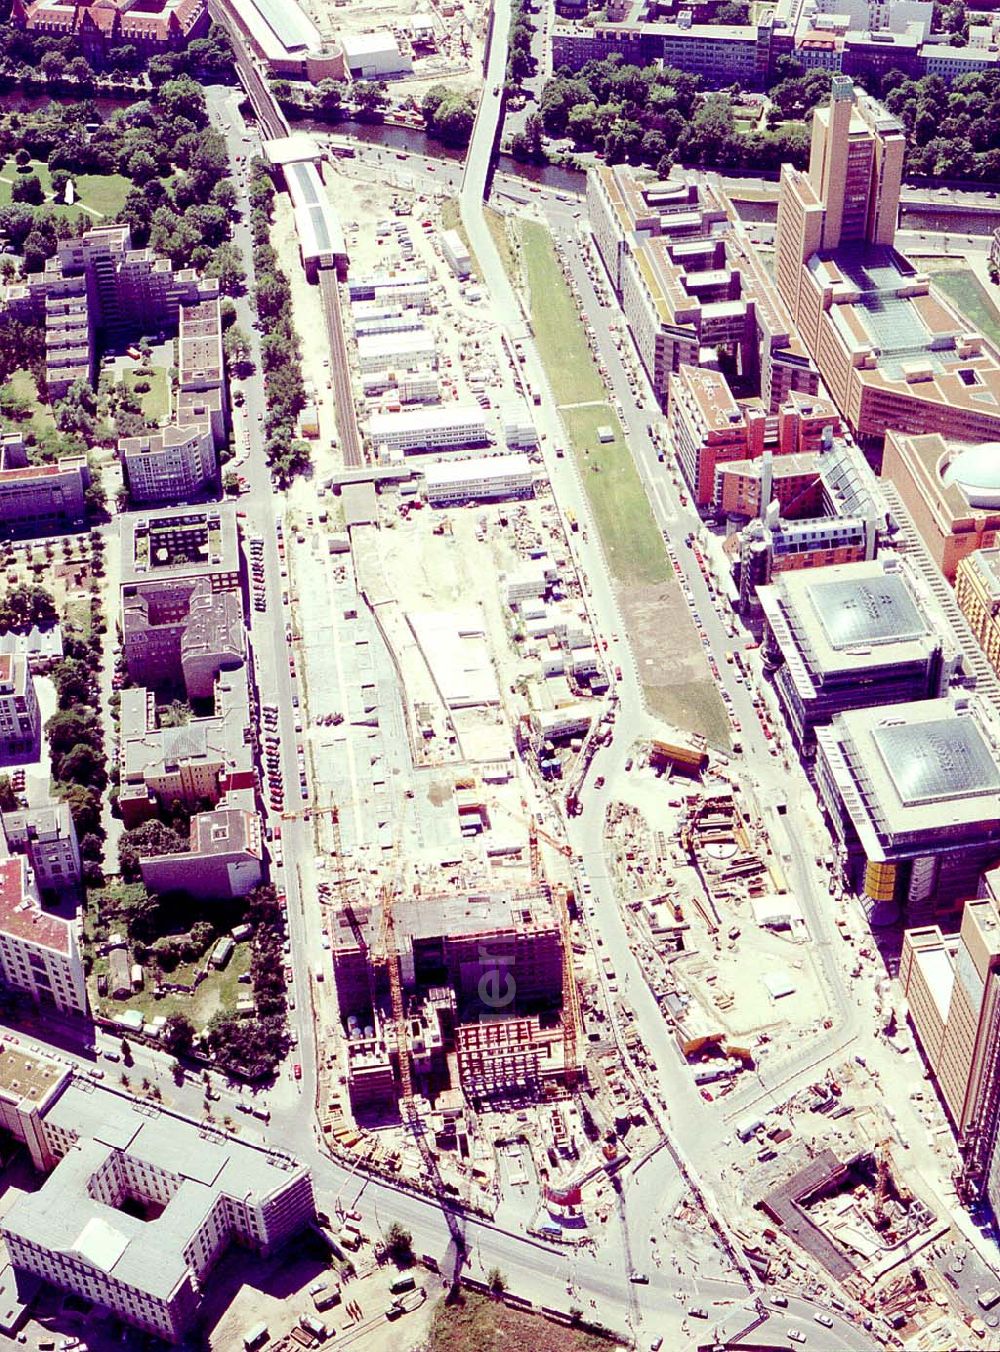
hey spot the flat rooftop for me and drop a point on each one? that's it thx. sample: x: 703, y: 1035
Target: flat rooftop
x: 867, y: 611
x: 923, y: 775
x: 27, y: 1076
x: 21, y: 917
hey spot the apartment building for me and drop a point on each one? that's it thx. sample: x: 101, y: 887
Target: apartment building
x: 40, y: 499
x: 46, y: 836
x: 709, y: 429
x: 30, y: 1082
x: 197, y: 764
x: 39, y: 953
x: 141, y: 1204
x: 850, y: 636
x: 912, y: 795
x: 224, y: 858
x: 184, y: 633
x: 951, y: 491
x: 891, y: 350
x: 20, y: 721
x: 428, y: 429
x: 952, y: 987
x: 977, y: 591
x: 173, y: 464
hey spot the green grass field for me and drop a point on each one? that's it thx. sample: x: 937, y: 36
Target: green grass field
x: 572, y: 373
x: 964, y: 289
x: 22, y: 383
x: 632, y: 542
x: 155, y: 401
x: 97, y: 195
x: 218, y: 992
x: 496, y: 224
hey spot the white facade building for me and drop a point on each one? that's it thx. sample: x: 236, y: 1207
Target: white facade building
x: 427, y: 429
x: 194, y: 1193
x: 456, y: 253
x: 488, y: 476
x: 396, y: 351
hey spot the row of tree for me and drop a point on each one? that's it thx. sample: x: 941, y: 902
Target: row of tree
x: 658, y: 116
x: 287, y: 455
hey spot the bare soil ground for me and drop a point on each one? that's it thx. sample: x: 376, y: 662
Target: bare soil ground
x: 671, y: 661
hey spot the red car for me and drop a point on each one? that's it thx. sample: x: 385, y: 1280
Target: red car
x: 297, y: 1071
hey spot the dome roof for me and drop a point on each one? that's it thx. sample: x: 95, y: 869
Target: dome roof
x: 976, y: 471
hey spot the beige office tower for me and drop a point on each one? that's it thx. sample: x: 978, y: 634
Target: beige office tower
x: 952, y: 984
x: 850, y: 194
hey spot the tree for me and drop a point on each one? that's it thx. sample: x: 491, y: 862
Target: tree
x: 496, y: 1281
x: 81, y: 764
x: 126, y: 1052
x: 8, y: 798
x: 399, y: 1243
x: 370, y: 98
x: 236, y: 347
x: 178, y: 1034
x: 151, y: 839
x: 27, y: 188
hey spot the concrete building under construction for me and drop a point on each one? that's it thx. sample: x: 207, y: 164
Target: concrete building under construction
x: 482, y: 980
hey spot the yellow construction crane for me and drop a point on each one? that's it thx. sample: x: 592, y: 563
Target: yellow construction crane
x: 883, y: 1164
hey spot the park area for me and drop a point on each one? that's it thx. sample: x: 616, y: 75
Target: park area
x: 677, y: 684
x: 95, y: 195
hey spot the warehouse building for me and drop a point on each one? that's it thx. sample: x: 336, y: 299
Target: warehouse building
x: 456, y: 253
x: 428, y: 429
x: 404, y: 350
x: 850, y: 636
x: 374, y: 56
x: 912, y: 795
x: 454, y: 482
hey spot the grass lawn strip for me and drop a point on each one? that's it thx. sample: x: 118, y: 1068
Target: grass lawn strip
x: 967, y: 293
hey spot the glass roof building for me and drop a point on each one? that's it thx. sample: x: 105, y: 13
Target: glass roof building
x: 912, y: 792
x: 850, y: 636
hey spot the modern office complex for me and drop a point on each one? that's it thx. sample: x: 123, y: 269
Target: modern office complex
x: 708, y: 428
x: 952, y: 986
x: 140, y: 1203
x: 865, y: 38
x: 689, y: 284
x: 892, y: 352
x: 850, y: 636
x: 951, y: 491
x: 912, y: 794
